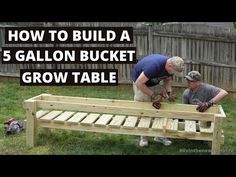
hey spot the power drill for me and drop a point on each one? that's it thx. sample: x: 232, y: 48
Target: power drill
x: 157, y: 102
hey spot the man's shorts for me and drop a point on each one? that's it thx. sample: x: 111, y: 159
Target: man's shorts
x: 141, y: 96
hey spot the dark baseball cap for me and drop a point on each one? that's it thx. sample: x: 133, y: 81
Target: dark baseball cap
x: 193, y: 76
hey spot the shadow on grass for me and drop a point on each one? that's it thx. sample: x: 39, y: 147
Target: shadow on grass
x: 85, y: 143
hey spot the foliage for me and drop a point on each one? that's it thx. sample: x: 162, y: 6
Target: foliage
x: 69, y: 142
x: 234, y: 25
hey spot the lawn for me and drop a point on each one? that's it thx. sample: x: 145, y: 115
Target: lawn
x: 85, y: 143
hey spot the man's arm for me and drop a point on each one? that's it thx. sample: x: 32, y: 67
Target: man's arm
x: 219, y: 96
x: 204, y: 106
x: 168, y: 84
x: 140, y: 83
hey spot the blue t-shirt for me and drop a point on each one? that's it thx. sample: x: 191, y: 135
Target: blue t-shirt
x: 153, y: 67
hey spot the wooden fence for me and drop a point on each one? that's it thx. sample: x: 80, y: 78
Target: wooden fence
x: 211, y: 51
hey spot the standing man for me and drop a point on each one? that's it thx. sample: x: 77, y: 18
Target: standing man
x: 147, y: 73
x: 201, y: 94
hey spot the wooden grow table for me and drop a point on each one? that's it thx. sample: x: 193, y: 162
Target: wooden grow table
x: 122, y: 117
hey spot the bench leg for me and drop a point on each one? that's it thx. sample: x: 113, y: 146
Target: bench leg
x: 215, y: 150
x: 216, y: 142
x: 31, y: 126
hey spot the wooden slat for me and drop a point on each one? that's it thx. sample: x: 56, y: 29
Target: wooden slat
x: 90, y: 119
x: 50, y: 115
x: 207, y: 130
x: 159, y: 123
x: 117, y: 121
x: 130, y: 122
x: 144, y: 123
x: 172, y: 125
x: 75, y: 119
x: 190, y: 126
x: 64, y: 116
x: 41, y: 113
x: 103, y: 120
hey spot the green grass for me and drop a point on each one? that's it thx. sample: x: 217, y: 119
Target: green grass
x: 84, y: 143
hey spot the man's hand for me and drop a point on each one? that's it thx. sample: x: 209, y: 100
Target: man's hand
x: 202, y: 107
x: 157, y: 97
x: 172, y: 98
x: 156, y: 105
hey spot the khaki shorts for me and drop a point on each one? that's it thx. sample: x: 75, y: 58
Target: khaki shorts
x: 141, y: 96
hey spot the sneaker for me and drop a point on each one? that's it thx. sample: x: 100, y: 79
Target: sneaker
x: 162, y: 140
x: 143, y: 142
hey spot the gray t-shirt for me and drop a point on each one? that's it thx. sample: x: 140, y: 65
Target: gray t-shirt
x: 204, y: 94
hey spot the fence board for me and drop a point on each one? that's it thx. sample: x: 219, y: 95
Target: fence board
x: 195, y: 43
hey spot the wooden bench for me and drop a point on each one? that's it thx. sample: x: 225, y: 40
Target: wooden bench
x: 122, y: 117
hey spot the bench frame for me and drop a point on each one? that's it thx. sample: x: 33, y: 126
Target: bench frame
x: 123, y: 107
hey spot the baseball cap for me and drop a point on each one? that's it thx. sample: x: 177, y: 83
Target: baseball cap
x: 178, y: 65
x: 193, y: 76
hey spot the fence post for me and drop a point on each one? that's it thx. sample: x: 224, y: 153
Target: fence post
x: 150, y: 39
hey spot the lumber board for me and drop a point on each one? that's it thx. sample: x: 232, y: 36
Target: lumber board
x: 190, y: 126
x: 144, y: 123
x: 63, y: 117
x: 172, y: 125
x: 130, y: 122
x: 159, y: 123
x: 103, y: 120
x: 90, y: 119
x: 41, y: 113
x: 75, y: 119
x: 50, y: 116
x: 117, y: 121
